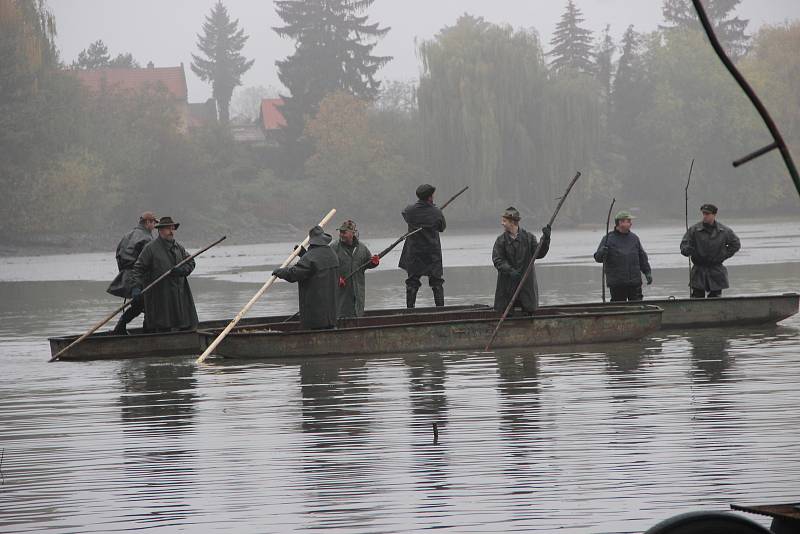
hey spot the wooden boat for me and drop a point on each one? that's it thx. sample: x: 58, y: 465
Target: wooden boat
x: 678, y: 313
x: 443, y: 331
x: 107, y: 346
x: 720, y: 312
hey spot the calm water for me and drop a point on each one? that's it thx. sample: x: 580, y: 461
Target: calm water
x: 599, y: 438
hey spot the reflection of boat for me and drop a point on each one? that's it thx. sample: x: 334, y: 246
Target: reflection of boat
x: 720, y: 312
x: 446, y: 330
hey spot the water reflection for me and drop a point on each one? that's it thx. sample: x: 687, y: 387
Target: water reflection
x: 157, y: 409
x: 334, y: 393
x: 709, y: 355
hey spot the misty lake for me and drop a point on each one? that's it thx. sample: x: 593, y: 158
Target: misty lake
x: 596, y: 438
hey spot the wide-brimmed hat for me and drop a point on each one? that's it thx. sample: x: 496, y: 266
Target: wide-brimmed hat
x: 624, y: 214
x: 511, y: 213
x: 317, y: 236
x: 148, y: 216
x: 709, y: 208
x: 348, y: 225
x: 424, y: 191
x: 166, y: 220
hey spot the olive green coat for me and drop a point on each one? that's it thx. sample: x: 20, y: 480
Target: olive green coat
x: 708, y: 246
x: 351, y: 297
x: 169, y: 304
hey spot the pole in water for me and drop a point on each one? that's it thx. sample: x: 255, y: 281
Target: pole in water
x: 435, y: 434
x: 686, y: 216
x: 608, y: 221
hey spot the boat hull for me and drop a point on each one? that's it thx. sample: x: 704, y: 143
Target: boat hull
x: 469, y: 330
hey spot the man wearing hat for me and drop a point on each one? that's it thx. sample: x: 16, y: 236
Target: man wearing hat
x: 128, y: 250
x: 354, y: 259
x: 422, y: 252
x: 709, y: 243
x: 511, y: 255
x: 625, y: 260
x: 169, y: 305
x: 317, y: 275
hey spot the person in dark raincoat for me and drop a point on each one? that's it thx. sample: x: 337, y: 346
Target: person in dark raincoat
x: 512, y: 253
x: 317, y: 275
x: 709, y: 243
x: 354, y: 258
x: 625, y: 260
x: 128, y: 250
x: 169, y: 305
x: 422, y: 252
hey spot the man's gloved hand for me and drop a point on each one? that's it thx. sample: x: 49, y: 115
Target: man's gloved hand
x: 546, y: 231
x: 136, y: 295
x: 515, y: 275
x: 179, y: 270
x: 649, y: 278
x: 342, y: 281
x: 280, y: 273
x: 604, y: 253
x: 689, y: 251
x: 302, y: 250
x: 375, y: 260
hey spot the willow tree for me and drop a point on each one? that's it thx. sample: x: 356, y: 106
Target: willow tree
x: 493, y: 119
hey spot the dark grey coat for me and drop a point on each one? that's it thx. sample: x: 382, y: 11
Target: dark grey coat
x: 510, y: 255
x: 169, y: 304
x: 317, y: 275
x: 422, y: 252
x: 128, y: 250
x: 351, y: 296
x: 625, y: 261
x: 709, y: 246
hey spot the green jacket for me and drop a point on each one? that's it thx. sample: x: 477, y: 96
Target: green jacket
x: 350, y: 298
x: 511, y: 258
x: 709, y: 246
x: 169, y: 304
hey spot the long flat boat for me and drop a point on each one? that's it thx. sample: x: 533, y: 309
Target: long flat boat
x: 678, y: 313
x: 751, y: 310
x: 443, y: 331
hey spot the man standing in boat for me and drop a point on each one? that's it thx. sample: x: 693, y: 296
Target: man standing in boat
x: 354, y: 259
x: 128, y: 250
x: 709, y: 243
x: 625, y: 260
x: 317, y: 275
x: 169, y: 305
x: 511, y: 256
x: 422, y: 252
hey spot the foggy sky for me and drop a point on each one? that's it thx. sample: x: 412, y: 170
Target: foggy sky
x: 165, y: 31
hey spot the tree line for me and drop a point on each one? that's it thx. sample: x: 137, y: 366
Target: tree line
x: 494, y: 108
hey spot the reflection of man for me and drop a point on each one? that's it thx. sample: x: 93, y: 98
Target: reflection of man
x: 422, y: 252
x: 709, y: 243
x: 317, y: 275
x: 352, y: 254
x: 168, y: 305
x: 128, y: 250
x: 625, y: 260
x: 511, y: 256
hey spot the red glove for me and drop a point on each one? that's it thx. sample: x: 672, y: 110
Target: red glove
x: 375, y: 260
x: 342, y: 281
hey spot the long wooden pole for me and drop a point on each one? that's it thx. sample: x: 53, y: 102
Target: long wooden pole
x: 124, y: 305
x: 399, y: 240
x: 258, y: 294
x: 608, y: 221
x: 686, y: 218
x: 530, y: 265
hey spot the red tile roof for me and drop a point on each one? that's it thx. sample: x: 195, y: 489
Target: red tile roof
x: 271, y: 116
x: 173, y: 79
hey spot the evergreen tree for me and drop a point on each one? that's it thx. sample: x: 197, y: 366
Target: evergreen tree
x: 223, y: 65
x: 627, y: 93
x: 333, y: 52
x: 604, y: 56
x: 94, y: 57
x: 124, y: 61
x: 729, y: 30
x: 572, y: 45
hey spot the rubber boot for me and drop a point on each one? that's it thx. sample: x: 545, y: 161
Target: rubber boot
x: 438, y: 296
x: 411, y: 296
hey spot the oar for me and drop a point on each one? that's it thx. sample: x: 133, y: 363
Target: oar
x: 258, y: 294
x: 530, y: 265
x: 145, y: 290
x: 608, y: 221
x: 686, y: 215
x: 399, y: 240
